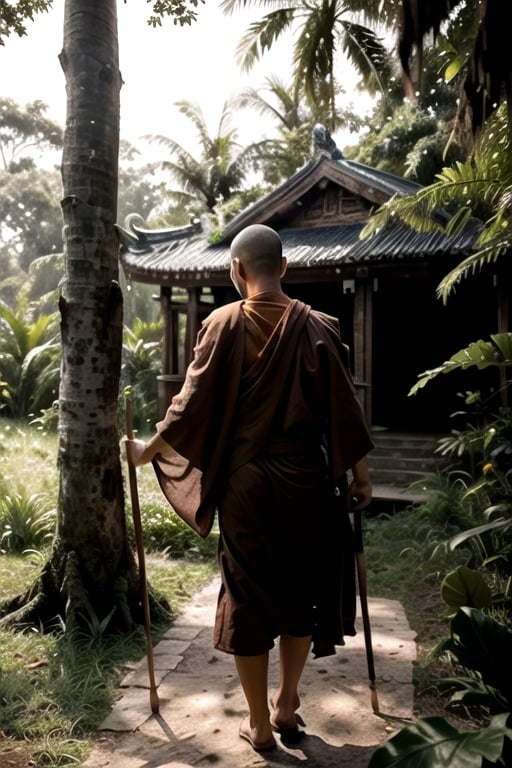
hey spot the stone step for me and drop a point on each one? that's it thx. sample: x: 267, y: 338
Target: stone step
x: 404, y: 461
x: 391, y: 441
x: 396, y: 496
x: 392, y: 476
x: 398, y: 461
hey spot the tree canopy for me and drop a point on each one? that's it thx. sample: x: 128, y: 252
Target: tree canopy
x: 25, y: 132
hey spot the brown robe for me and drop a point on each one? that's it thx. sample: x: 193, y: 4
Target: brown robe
x: 265, y: 428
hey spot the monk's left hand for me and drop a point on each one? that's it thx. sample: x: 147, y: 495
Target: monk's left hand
x: 360, y: 494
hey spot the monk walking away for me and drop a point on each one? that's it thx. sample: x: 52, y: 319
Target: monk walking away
x: 268, y: 433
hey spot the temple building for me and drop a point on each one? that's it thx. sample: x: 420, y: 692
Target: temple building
x: 382, y: 289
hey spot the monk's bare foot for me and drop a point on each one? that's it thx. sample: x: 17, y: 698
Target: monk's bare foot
x: 285, y: 717
x: 260, y: 739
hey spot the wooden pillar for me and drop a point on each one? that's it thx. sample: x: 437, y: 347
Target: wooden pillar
x: 363, y: 319
x: 171, y: 379
x: 165, y: 311
x: 193, y: 322
x: 171, y: 332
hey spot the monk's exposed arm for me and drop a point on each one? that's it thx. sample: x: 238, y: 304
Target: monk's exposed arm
x: 140, y: 452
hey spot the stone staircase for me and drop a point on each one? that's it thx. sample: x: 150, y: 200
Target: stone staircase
x: 398, y: 460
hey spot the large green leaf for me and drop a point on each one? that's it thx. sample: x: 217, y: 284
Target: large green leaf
x: 434, y: 743
x: 464, y: 586
x: 483, y: 354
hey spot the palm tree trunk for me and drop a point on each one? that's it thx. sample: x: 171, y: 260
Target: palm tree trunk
x: 92, y: 568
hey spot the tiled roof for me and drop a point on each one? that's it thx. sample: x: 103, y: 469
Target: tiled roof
x: 181, y: 260
x: 184, y: 256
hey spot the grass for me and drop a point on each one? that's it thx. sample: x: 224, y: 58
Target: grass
x: 54, y: 693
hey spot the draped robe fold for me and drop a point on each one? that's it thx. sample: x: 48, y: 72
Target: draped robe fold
x: 264, y: 430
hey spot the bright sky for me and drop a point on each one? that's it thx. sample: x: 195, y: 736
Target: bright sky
x: 159, y: 66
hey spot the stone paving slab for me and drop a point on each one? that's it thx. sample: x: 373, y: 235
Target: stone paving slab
x: 201, y: 704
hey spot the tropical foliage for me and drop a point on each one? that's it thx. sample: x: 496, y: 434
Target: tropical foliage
x: 478, y: 595
x: 473, y: 46
x: 496, y: 353
x: 478, y: 592
x: 139, y: 189
x: 29, y: 195
x: 15, y: 15
x: 31, y: 218
x: 26, y: 522
x: 322, y: 29
x: 141, y: 363
x: 415, y: 139
x: 25, y: 132
x: 481, y: 646
x: 202, y: 183
x: 29, y: 362
x: 279, y: 157
x: 476, y: 192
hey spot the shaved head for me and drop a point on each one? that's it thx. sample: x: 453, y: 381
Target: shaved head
x: 259, y: 249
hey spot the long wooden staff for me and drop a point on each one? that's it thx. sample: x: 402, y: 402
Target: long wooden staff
x: 361, y: 578
x: 132, y: 474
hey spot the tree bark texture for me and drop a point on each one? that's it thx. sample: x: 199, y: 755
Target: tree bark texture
x: 92, y: 571
x: 91, y: 521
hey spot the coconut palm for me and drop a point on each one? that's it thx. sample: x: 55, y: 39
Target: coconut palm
x: 323, y: 28
x: 91, y: 568
x: 281, y: 156
x: 218, y: 172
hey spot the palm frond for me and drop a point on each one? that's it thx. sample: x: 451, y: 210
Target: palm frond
x: 365, y: 50
x: 414, y: 210
x: 230, y: 6
x: 285, y: 114
x: 17, y: 333
x: 313, y: 55
x: 225, y: 127
x: 172, y: 147
x: 194, y: 113
x: 261, y: 35
x: 187, y: 177
x: 488, y: 254
x: 496, y: 353
x: 446, y: 205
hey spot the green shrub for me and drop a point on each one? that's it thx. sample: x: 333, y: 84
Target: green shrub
x: 26, y: 522
x: 164, y: 531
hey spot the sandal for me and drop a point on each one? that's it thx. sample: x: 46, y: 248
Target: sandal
x: 258, y: 746
x: 289, y: 734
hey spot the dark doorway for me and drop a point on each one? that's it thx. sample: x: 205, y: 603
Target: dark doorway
x: 413, y: 332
